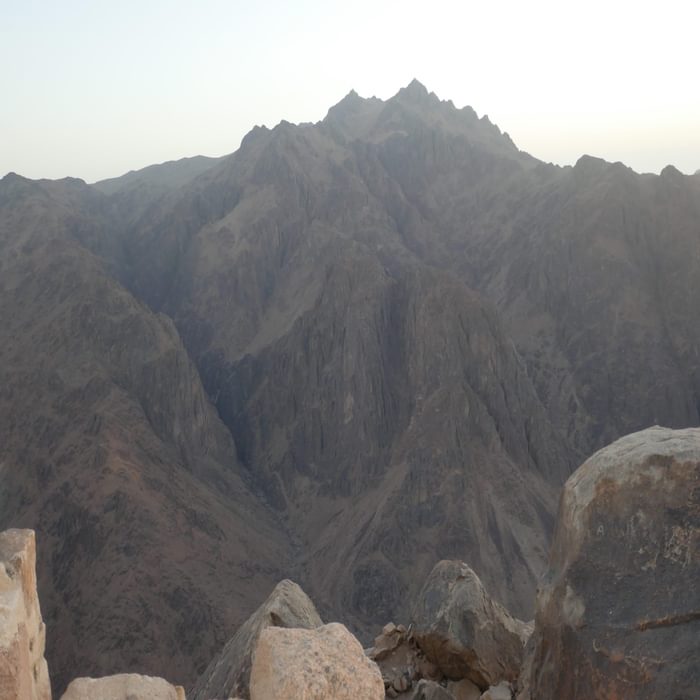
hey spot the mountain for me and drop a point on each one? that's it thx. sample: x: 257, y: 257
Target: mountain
x: 342, y: 353
x: 132, y: 192
x: 296, y: 273
x: 157, y: 179
x: 113, y: 451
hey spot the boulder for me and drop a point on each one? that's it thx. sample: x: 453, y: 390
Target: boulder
x: 125, y: 686
x: 464, y: 631
x: 618, y: 615
x: 229, y: 673
x: 391, y: 637
x: 401, y: 683
x: 502, y: 691
x: 23, y: 671
x: 430, y: 690
x: 327, y: 663
x: 464, y: 690
x: 400, y: 660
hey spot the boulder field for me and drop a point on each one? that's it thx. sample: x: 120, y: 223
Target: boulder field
x: 617, y: 614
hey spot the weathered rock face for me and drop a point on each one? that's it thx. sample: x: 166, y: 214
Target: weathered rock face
x: 393, y: 472
x: 619, y: 613
x: 464, y: 631
x: 327, y: 663
x: 229, y: 673
x: 23, y: 670
x: 126, y: 686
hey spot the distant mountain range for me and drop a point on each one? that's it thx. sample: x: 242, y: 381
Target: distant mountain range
x: 340, y: 354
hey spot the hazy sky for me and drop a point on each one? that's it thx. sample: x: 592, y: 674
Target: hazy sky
x: 95, y: 88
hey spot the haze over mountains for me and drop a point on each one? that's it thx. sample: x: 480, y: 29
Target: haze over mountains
x: 342, y: 353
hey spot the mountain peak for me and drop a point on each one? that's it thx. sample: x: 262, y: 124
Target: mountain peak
x: 350, y: 102
x: 13, y: 183
x: 672, y: 173
x: 590, y: 164
x: 353, y: 114
x: 416, y: 91
x: 12, y: 176
x: 415, y: 86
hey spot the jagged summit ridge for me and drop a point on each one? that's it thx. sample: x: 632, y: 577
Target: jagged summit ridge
x: 417, y: 91
x: 412, y: 109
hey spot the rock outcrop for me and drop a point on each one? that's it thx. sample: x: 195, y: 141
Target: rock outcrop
x: 400, y: 660
x: 327, y: 663
x: 229, y: 673
x: 126, y: 686
x: 619, y: 613
x: 464, y: 632
x: 23, y: 670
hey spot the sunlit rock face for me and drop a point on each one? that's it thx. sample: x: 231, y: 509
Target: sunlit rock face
x: 125, y: 686
x: 23, y: 669
x: 326, y: 663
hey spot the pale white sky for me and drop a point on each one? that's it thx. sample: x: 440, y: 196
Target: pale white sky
x: 93, y: 88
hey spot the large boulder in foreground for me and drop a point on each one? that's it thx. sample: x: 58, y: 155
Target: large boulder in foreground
x: 125, y: 686
x: 228, y: 675
x: 327, y: 663
x: 23, y: 671
x: 462, y: 630
x: 619, y: 613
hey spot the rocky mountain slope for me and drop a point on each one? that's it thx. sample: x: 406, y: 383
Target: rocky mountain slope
x: 114, y: 454
x: 345, y: 351
x: 617, y: 611
x: 375, y: 398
